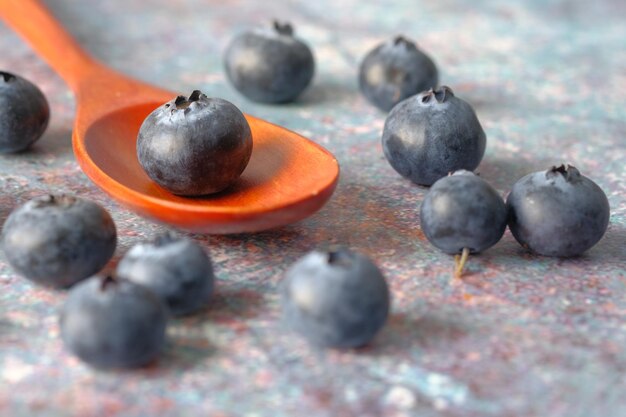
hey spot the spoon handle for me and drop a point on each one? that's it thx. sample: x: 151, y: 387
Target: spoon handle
x: 49, y: 39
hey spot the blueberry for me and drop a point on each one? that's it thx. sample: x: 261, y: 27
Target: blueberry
x: 195, y: 146
x: 24, y: 113
x: 463, y: 214
x: 176, y: 269
x: 335, y: 298
x: 269, y: 65
x: 111, y: 323
x: 558, y: 212
x: 57, y: 241
x: 395, y: 70
x: 432, y: 134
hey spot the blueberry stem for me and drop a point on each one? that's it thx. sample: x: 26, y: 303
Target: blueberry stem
x: 178, y: 330
x: 333, y: 257
x: 459, y: 262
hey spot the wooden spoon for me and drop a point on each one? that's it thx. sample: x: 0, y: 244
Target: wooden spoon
x: 288, y: 177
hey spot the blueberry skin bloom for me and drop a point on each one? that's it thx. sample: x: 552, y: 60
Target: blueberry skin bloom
x: 395, y: 70
x: 463, y: 211
x: 432, y: 134
x: 195, y: 146
x: 270, y: 65
x: 57, y: 241
x: 337, y: 299
x: 113, y: 324
x: 24, y: 113
x: 558, y: 212
x: 177, y: 270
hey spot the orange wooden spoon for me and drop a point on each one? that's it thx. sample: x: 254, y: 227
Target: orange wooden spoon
x: 288, y: 177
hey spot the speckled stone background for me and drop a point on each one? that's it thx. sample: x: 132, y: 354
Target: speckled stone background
x: 520, y: 335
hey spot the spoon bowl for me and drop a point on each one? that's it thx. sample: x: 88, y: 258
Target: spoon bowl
x: 280, y: 185
x: 288, y: 178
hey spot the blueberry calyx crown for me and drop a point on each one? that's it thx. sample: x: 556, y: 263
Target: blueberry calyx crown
x: 106, y: 282
x: 440, y: 94
x: 283, y: 28
x: 183, y: 103
x: 163, y: 239
x: 463, y: 172
x: 7, y: 76
x: 338, y: 256
x: 401, y: 41
x: 54, y: 200
x: 568, y: 172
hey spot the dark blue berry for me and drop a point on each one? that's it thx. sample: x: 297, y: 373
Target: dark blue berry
x: 195, y: 146
x: 58, y: 240
x: 335, y: 299
x: 24, y: 113
x: 462, y: 212
x: 395, y: 70
x: 558, y: 212
x: 269, y: 65
x: 432, y: 134
x: 177, y: 270
x: 111, y: 323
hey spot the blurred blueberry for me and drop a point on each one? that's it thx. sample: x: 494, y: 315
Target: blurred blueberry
x: 57, y: 241
x: 335, y: 298
x: 111, y: 323
x: 394, y: 71
x: 24, y: 113
x: 269, y: 65
x: 432, y: 134
x: 558, y: 212
x: 177, y: 270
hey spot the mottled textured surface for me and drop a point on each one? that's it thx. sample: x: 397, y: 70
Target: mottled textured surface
x: 520, y: 335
